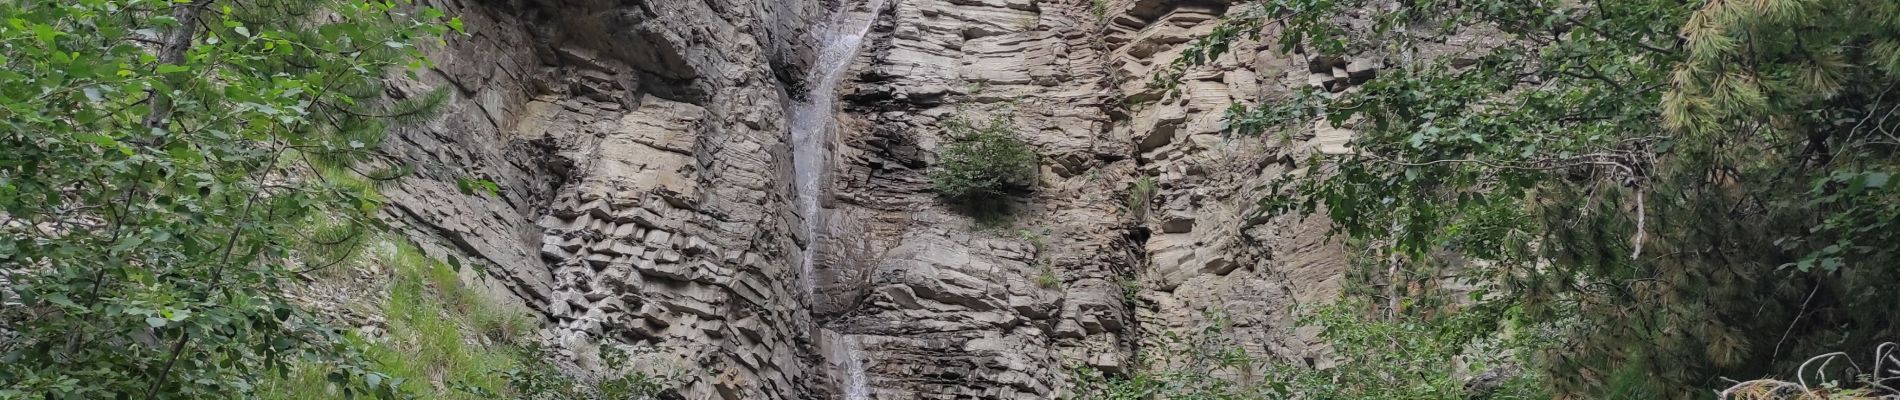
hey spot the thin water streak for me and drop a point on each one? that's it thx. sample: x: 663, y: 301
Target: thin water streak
x: 813, y: 124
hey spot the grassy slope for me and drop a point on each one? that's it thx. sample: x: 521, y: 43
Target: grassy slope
x: 434, y: 324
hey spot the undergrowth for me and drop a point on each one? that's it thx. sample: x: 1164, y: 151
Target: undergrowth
x: 1377, y: 358
x: 439, y: 332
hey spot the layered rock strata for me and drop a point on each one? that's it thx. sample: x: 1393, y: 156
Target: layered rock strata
x: 639, y: 148
x: 643, y: 151
x: 951, y: 308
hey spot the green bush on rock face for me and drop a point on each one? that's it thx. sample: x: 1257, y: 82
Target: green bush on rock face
x: 983, y: 162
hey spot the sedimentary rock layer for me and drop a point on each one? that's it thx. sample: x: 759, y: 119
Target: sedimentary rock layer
x: 643, y: 153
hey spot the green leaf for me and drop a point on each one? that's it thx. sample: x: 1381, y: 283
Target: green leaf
x: 59, y: 299
x: 97, y: 140
x: 46, y: 34
x: 156, y: 322
x: 1877, y: 179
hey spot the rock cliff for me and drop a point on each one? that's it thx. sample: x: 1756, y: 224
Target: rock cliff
x: 645, y: 159
x: 639, y: 148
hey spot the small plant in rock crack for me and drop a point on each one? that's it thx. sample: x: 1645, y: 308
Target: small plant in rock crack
x: 1036, y: 239
x: 1131, y: 289
x: 1140, y: 196
x: 977, y: 87
x: 979, y: 165
x: 1048, y: 279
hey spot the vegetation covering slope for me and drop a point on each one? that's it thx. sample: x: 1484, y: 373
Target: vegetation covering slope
x: 175, y: 170
x: 1676, y: 192
x: 164, y: 181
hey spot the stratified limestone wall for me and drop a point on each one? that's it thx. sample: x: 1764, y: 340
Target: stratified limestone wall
x: 639, y: 147
x: 1205, y: 254
x: 943, y: 307
x: 950, y: 309
x: 646, y: 203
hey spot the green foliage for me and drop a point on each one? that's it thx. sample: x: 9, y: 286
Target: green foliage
x: 1202, y: 364
x: 1047, y: 278
x: 1409, y: 357
x: 1037, y: 240
x: 540, y: 381
x: 447, y: 341
x: 432, y: 321
x: 164, y: 179
x: 983, y: 163
x: 1140, y: 194
x: 1131, y: 290
x: 1680, y: 210
x: 1099, y: 7
x: 1402, y: 358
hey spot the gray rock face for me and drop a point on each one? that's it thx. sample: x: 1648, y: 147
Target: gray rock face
x: 1211, y: 252
x: 639, y: 151
x: 642, y: 149
x: 950, y: 310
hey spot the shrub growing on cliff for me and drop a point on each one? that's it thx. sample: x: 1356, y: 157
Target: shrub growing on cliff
x: 982, y: 163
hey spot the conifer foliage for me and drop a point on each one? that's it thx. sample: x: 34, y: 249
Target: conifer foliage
x: 170, y: 166
x: 1679, y: 192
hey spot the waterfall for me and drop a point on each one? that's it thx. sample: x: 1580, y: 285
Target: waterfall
x: 813, y: 120
x: 850, y: 358
x: 813, y: 124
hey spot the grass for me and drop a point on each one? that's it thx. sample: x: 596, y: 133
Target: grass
x: 1035, y: 239
x: 444, y: 340
x: 1140, y: 196
x: 1131, y: 289
x: 1048, y: 279
x: 432, y: 317
x: 1100, y: 8
x: 976, y: 87
x: 434, y: 323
